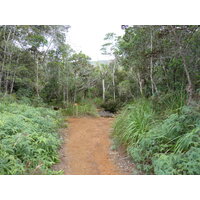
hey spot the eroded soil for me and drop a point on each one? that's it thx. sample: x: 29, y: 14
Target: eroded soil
x: 87, y: 148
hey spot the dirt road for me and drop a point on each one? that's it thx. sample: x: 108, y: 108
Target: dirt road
x: 87, y: 147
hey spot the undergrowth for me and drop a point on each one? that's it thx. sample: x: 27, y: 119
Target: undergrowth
x: 29, y: 139
x: 84, y: 108
x: 111, y: 105
x: 168, y: 144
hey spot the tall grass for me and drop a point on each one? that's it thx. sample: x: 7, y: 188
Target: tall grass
x: 160, y: 143
x: 133, y: 123
x: 84, y: 108
x: 169, y: 103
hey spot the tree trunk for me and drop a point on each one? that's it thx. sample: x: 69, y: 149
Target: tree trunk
x: 113, y: 77
x: 6, y: 83
x: 37, y: 78
x: 189, y: 87
x: 103, y: 88
x: 75, y: 91
x: 140, y: 83
x: 64, y: 94
x: 4, y: 56
x: 67, y: 95
x: 12, y: 84
x: 165, y: 74
x: 153, y: 85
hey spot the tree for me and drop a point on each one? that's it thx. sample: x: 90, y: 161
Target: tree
x: 110, y: 49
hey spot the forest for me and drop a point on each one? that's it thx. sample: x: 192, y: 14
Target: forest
x: 151, y: 87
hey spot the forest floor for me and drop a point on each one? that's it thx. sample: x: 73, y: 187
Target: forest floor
x: 87, y: 149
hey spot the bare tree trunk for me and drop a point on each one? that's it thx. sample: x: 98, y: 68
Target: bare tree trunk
x: 113, y: 77
x: 8, y: 74
x: 13, y: 79
x: 103, y: 88
x: 4, y: 57
x: 165, y: 73
x: 59, y: 85
x: 12, y: 83
x: 64, y: 94
x: 75, y: 90
x: 189, y: 87
x: 6, y: 83
x: 153, y: 85
x: 140, y: 83
x: 37, y: 78
x: 67, y: 97
x: 75, y: 95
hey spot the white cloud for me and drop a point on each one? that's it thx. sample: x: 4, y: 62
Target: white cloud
x: 89, y: 38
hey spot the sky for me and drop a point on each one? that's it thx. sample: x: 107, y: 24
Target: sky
x: 89, y: 38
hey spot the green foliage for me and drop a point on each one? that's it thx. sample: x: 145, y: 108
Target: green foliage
x: 81, y: 109
x: 170, y: 146
x: 124, y: 89
x: 29, y: 142
x: 133, y: 123
x: 8, y: 98
x: 24, y: 92
x: 157, y: 62
x: 169, y: 103
x: 13, y: 98
x: 97, y: 101
x: 111, y: 106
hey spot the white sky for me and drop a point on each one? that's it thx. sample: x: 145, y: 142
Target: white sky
x: 89, y: 38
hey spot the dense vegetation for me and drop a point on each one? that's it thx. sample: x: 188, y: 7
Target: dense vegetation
x: 153, y: 81
x: 29, y: 139
x: 36, y: 62
x: 158, y: 144
x: 162, y: 130
x: 84, y: 108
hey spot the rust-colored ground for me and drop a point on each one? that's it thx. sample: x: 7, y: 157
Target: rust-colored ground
x: 87, y: 147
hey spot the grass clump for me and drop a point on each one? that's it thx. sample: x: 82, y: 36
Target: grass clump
x: 84, y: 108
x: 133, y: 122
x: 160, y: 146
x: 29, y: 139
x: 166, y: 104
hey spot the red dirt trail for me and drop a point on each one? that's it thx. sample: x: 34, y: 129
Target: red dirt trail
x: 87, y: 147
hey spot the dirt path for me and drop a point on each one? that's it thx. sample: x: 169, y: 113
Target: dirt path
x: 87, y: 147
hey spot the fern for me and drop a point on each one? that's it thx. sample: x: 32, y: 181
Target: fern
x: 29, y: 142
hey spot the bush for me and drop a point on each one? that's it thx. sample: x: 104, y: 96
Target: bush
x: 9, y: 98
x: 12, y: 98
x: 170, y: 147
x: 25, y: 100
x: 29, y: 142
x: 25, y: 92
x: 38, y: 101
x: 111, y: 106
x: 97, y: 102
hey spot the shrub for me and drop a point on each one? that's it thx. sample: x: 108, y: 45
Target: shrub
x: 111, y: 106
x: 170, y: 147
x: 29, y: 142
x: 97, y: 102
x: 8, y: 98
